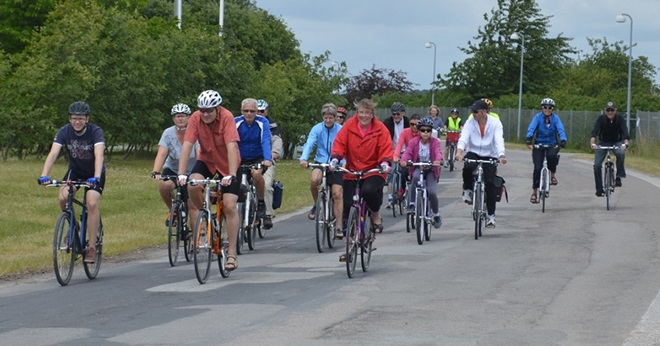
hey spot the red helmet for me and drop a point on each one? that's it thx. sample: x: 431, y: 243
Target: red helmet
x: 341, y: 110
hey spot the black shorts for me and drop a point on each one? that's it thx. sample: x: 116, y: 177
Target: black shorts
x: 201, y: 168
x: 333, y: 177
x: 75, y: 176
x: 252, y: 162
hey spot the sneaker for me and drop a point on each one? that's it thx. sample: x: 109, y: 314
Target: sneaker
x: 167, y: 221
x: 617, y: 182
x: 339, y: 234
x: 600, y: 193
x: 437, y: 222
x: 268, y: 222
x: 411, y: 208
x: 90, y: 256
x: 490, y: 222
x: 312, y: 213
x: 261, y: 210
x: 467, y: 196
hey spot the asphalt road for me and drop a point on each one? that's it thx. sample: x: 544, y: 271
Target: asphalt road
x: 574, y: 275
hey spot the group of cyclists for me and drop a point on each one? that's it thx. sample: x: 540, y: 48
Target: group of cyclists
x: 212, y: 142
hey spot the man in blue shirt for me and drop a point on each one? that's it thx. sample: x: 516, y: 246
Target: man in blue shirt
x: 254, y: 145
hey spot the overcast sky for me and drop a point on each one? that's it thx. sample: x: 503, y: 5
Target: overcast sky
x: 392, y: 34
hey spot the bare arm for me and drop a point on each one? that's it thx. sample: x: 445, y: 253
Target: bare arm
x: 232, y: 157
x: 186, y: 149
x: 50, y: 160
x: 99, y: 148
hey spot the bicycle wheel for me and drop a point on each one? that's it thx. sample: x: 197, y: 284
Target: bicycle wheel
x: 64, y: 255
x: 410, y: 222
x: 330, y: 228
x: 174, y: 233
x: 202, y: 240
x: 367, y: 243
x: 419, y: 219
x: 395, y: 192
x: 186, y: 235
x: 477, y: 212
x: 240, y: 240
x: 609, y: 182
x: 320, y: 222
x: 251, y: 229
x: 427, y: 221
x: 92, y: 269
x: 544, y: 185
x: 222, y: 256
x: 452, y: 153
x: 352, y: 241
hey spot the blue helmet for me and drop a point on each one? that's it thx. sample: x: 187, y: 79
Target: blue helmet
x: 428, y: 122
x: 262, y: 105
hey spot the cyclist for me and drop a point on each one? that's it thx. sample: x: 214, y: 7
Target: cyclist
x: 402, y: 144
x: 365, y: 144
x: 611, y: 130
x: 277, y: 148
x: 490, y: 106
x: 483, y: 136
x: 254, y: 133
x: 169, y: 150
x: 434, y: 115
x: 322, y: 136
x: 425, y: 149
x: 454, y: 123
x: 341, y: 115
x: 213, y: 126
x: 395, y: 125
x: 545, y: 128
x: 85, y: 145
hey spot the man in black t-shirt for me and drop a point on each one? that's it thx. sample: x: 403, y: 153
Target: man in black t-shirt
x: 611, y: 130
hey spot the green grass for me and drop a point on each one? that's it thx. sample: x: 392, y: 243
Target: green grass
x: 133, y: 213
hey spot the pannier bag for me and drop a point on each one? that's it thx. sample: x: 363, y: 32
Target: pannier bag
x: 501, y: 188
x: 278, y: 191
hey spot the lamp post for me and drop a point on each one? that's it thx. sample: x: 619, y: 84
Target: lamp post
x: 428, y: 45
x: 516, y: 36
x: 622, y: 19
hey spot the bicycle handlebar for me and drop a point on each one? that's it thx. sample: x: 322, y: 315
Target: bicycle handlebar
x: 322, y: 166
x: 491, y: 161
x: 76, y: 183
x: 422, y: 164
x: 252, y: 166
x: 545, y: 146
x: 207, y: 181
x: 610, y: 147
x: 359, y: 173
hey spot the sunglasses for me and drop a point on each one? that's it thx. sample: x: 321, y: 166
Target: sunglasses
x: 610, y: 110
x: 548, y: 107
x: 396, y: 114
x: 249, y: 111
x: 425, y: 130
x: 206, y: 110
x: 261, y: 111
x: 341, y: 116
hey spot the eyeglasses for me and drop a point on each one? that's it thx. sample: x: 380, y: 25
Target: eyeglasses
x: 610, y: 110
x: 548, y: 107
x: 413, y: 124
x: 396, y: 114
x: 248, y: 111
x: 425, y: 130
x: 341, y: 116
x: 77, y: 120
x: 206, y: 110
x: 261, y: 111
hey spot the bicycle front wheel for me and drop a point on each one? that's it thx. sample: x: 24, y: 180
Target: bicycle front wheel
x: 395, y: 192
x: 543, y: 190
x: 202, y: 246
x: 64, y: 253
x: 92, y: 269
x: 365, y: 249
x: 477, y: 209
x: 224, y: 244
x: 419, y: 218
x: 352, y: 241
x: 609, y: 183
x: 330, y: 227
x: 452, y: 154
x: 174, y: 233
x: 240, y: 239
x: 251, y: 229
x: 427, y: 221
x: 320, y: 222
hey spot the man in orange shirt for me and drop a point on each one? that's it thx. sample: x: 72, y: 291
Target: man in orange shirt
x: 213, y: 126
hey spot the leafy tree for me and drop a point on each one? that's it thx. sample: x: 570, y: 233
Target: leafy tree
x: 492, y: 68
x: 18, y: 21
x: 376, y: 81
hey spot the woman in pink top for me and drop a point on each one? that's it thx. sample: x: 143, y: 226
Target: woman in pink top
x: 406, y: 135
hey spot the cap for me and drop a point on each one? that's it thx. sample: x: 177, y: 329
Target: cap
x: 479, y: 105
x: 610, y: 105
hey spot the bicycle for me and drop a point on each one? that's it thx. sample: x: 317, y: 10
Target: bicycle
x: 70, y: 237
x: 452, y: 140
x: 249, y: 224
x: 325, y: 216
x: 410, y: 215
x: 544, y: 182
x: 608, y: 174
x: 356, y: 236
x: 177, y: 229
x: 209, y: 233
x: 423, y: 219
x: 479, y: 210
x: 397, y: 200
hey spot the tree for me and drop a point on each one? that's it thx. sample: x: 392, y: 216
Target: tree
x: 376, y: 81
x: 492, y: 68
x: 18, y: 21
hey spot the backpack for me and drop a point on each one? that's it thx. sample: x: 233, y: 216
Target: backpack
x: 500, y: 186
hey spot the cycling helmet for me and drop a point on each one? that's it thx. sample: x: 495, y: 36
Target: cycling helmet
x: 428, y: 122
x: 79, y: 108
x: 489, y: 103
x: 548, y: 102
x: 181, y: 108
x: 262, y: 105
x: 454, y: 110
x: 209, y: 99
x: 341, y: 110
x: 398, y: 107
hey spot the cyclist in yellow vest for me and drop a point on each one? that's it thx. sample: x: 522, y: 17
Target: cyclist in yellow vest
x: 453, y: 123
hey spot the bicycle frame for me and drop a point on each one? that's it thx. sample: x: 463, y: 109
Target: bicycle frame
x: 608, y: 173
x: 479, y: 209
x: 325, y: 218
x: 422, y: 218
x: 452, y: 150
x: 181, y: 230
x: 249, y: 221
x: 544, y: 181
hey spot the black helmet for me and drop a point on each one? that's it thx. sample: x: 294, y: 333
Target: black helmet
x: 398, y: 107
x: 79, y: 108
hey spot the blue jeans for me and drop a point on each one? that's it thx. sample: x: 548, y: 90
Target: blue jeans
x: 599, y: 157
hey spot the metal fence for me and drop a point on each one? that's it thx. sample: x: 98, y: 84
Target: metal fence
x: 578, y: 124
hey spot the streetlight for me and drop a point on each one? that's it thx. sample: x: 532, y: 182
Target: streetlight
x: 516, y: 36
x: 428, y: 45
x: 622, y: 19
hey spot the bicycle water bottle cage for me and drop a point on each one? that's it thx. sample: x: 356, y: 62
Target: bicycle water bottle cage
x: 355, y: 198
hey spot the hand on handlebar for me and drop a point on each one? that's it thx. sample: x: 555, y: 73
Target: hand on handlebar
x: 227, y: 180
x: 183, y: 179
x: 304, y: 164
x: 44, y: 180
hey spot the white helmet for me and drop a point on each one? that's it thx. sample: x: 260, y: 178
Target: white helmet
x: 209, y: 99
x: 548, y: 102
x: 262, y: 105
x: 181, y: 108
